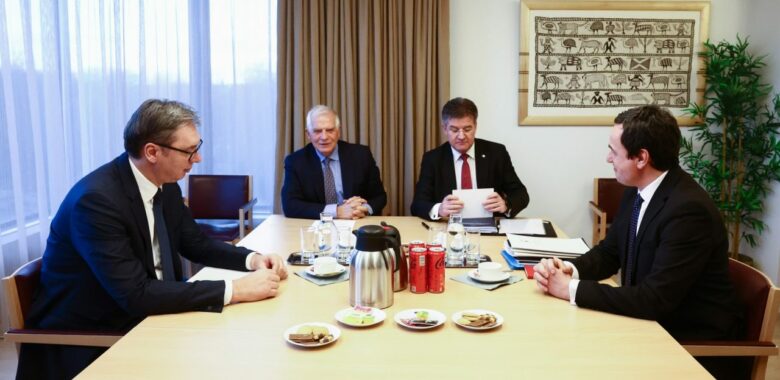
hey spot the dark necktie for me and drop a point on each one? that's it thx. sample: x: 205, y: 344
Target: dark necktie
x: 630, y: 260
x: 166, y: 257
x: 330, y: 184
x: 465, y: 172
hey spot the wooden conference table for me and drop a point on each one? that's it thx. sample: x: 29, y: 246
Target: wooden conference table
x: 542, y: 337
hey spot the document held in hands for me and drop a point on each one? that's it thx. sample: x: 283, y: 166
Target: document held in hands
x: 472, y: 202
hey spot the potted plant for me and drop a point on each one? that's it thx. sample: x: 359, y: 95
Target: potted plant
x: 734, y: 152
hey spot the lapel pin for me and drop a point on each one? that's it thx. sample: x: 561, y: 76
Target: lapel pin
x: 483, y: 156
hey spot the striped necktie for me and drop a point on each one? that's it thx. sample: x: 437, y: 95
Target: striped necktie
x: 631, y: 260
x: 330, y: 184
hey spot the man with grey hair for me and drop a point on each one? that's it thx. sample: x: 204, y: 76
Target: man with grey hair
x: 112, y: 256
x: 330, y: 175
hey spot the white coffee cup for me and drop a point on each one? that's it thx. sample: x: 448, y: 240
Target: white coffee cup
x: 325, y: 265
x: 489, y: 270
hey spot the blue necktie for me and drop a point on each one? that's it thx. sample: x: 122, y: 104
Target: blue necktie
x: 330, y: 184
x: 630, y: 261
x: 166, y: 257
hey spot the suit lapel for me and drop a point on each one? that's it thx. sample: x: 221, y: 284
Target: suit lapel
x: 136, y: 208
x: 346, y: 172
x: 658, y: 201
x: 482, y: 158
x: 449, y: 164
x: 319, y: 180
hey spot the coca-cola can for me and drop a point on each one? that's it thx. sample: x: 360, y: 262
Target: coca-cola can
x: 436, y: 269
x: 418, y: 279
x: 416, y: 243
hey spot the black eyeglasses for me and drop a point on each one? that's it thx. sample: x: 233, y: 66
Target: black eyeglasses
x: 191, y: 153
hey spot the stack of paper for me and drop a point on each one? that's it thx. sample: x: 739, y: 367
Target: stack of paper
x: 529, y: 249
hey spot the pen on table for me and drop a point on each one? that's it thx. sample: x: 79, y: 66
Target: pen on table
x: 427, y: 227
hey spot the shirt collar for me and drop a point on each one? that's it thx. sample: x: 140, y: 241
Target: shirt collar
x: 649, y: 190
x: 333, y: 156
x: 147, y: 189
x: 456, y: 154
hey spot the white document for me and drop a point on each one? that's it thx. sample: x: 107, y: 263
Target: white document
x: 522, y: 226
x: 472, y: 202
x: 217, y: 274
x: 553, y: 245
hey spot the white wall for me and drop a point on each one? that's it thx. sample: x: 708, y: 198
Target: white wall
x: 558, y: 164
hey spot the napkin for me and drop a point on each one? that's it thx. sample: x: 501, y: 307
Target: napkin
x: 464, y: 278
x: 323, y: 281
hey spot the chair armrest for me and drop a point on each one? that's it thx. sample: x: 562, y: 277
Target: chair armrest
x: 63, y: 337
x: 596, y: 209
x: 731, y: 348
x: 246, y: 207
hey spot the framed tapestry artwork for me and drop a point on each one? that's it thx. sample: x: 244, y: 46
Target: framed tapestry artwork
x: 583, y: 62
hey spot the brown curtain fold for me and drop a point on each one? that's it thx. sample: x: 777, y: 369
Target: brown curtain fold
x: 382, y: 65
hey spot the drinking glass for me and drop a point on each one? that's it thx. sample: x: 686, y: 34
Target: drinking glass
x: 437, y: 236
x: 456, y: 243
x: 310, y: 244
x: 472, y: 247
x: 346, y: 243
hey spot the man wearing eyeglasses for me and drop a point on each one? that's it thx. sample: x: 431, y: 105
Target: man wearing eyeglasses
x: 465, y: 162
x: 113, y: 253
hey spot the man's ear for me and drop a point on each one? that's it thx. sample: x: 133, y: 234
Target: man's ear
x: 151, y: 152
x: 643, y: 159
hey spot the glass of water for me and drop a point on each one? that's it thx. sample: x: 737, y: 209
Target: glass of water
x: 310, y: 244
x: 456, y: 242
x: 345, y: 245
x: 472, y: 247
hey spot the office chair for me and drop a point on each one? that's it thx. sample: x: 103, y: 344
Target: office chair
x: 606, y: 200
x: 761, y: 300
x: 20, y: 288
x: 222, y: 204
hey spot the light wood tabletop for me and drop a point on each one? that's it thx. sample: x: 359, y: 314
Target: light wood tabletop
x: 541, y: 337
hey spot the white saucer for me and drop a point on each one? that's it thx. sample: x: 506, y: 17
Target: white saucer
x: 379, y: 316
x: 333, y: 330
x: 437, y: 316
x: 474, y: 275
x: 310, y: 272
x: 458, y: 315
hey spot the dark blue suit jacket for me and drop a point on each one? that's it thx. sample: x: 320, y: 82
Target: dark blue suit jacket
x: 494, y: 169
x: 681, y: 270
x: 98, y: 271
x: 303, y: 192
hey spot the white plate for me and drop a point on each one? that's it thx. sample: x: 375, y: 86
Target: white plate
x: 474, y: 275
x: 310, y: 272
x: 333, y: 330
x: 410, y: 313
x: 499, y: 319
x: 379, y: 316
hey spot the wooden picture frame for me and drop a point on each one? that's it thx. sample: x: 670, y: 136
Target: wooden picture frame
x: 583, y: 62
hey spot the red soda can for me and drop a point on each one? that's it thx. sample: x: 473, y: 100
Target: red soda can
x: 436, y: 269
x: 418, y: 280
x: 416, y: 243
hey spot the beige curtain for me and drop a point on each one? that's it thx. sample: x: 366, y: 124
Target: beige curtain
x: 383, y: 65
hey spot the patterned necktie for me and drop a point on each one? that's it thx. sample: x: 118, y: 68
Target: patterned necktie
x: 330, y: 184
x: 161, y: 231
x: 630, y: 261
x: 465, y: 172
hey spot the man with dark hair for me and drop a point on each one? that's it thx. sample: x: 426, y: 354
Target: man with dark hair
x: 112, y: 256
x: 465, y: 162
x: 667, y: 239
x: 330, y: 175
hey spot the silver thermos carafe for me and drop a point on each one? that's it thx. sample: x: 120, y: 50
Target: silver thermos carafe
x: 371, y: 268
x: 400, y: 265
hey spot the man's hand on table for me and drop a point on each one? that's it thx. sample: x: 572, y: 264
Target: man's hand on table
x: 553, y: 277
x: 256, y: 286
x: 269, y: 261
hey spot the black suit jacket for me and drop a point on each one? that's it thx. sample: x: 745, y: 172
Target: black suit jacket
x: 303, y: 192
x: 98, y: 271
x: 494, y: 169
x: 681, y: 272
